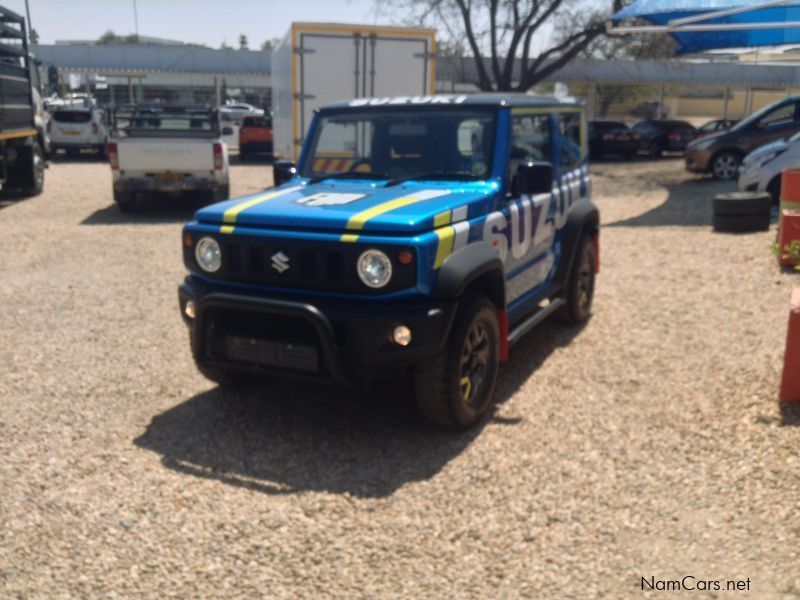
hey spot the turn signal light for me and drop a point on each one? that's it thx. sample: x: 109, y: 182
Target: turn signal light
x: 405, y: 257
x: 187, y: 240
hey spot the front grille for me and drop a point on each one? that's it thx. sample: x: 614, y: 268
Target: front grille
x: 310, y: 265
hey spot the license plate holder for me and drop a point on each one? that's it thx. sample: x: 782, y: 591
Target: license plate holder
x: 271, y: 353
x: 169, y: 177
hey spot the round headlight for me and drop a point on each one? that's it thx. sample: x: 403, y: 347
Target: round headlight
x: 374, y: 268
x: 208, y: 254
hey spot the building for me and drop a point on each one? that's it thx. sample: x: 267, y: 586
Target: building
x: 156, y: 72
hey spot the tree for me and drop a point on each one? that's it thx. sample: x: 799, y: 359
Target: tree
x: 33, y: 36
x: 270, y: 44
x: 504, y: 31
x: 224, y: 46
x: 243, y: 42
x: 109, y: 37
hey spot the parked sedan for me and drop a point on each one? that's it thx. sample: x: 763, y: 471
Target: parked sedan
x: 658, y: 136
x: 238, y: 111
x: 761, y: 169
x: 611, y: 137
x: 721, y: 153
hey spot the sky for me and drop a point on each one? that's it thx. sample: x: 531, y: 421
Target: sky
x: 209, y: 22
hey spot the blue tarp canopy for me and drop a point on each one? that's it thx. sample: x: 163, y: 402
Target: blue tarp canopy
x: 758, y: 22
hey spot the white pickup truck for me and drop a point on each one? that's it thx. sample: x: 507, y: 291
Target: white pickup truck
x: 167, y: 149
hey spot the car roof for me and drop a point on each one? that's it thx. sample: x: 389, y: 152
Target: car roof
x: 496, y: 99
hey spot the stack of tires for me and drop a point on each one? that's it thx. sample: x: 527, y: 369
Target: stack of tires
x: 742, y: 211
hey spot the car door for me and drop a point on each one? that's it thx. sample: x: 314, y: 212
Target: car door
x: 531, y: 248
x: 780, y: 122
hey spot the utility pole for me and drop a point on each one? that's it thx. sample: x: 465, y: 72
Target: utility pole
x: 135, y: 18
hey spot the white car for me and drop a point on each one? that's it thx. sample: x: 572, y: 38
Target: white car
x: 77, y: 128
x: 235, y: 112
x: 761, y: 169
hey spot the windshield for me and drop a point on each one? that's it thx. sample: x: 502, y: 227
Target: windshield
x: 400, y: 144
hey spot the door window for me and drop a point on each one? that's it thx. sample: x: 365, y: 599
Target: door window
x: 780, y: 117
x: 530, y: 140
x: 569, y: 125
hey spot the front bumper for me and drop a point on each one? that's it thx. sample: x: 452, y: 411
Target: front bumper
x: 750, y: 179
x: 346, y: 342
x: 151, y: 184
x: 697, y: 160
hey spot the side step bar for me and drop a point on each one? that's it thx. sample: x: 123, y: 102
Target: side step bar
x: 536, y: 318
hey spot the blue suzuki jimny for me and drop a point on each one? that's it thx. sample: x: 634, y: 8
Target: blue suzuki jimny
x: 425, y: 234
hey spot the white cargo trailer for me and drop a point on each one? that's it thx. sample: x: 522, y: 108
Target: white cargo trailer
x: 317, y: 63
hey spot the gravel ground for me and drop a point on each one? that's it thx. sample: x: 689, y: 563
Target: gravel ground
x: 648, y: 443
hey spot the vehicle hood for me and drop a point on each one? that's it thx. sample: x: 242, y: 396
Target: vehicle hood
x: 706, y: 140
x: 766, y: 150
x: 354, y: 207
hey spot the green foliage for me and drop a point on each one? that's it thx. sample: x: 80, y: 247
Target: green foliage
x: 791, y: 252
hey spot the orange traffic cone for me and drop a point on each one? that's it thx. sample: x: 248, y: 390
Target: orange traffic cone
x: 790, y: 383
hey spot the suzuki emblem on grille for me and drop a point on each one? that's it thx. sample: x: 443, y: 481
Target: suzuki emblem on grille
x: 280, y: 262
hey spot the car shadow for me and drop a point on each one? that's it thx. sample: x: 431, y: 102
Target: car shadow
x: 689, y: 203
x: 84, y: 157
x: 294, y: 437
x: 149, y: 211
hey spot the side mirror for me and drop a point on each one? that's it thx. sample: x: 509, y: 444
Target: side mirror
x: 283, y: 171
x: 227, y: 131
x: 533, y: 178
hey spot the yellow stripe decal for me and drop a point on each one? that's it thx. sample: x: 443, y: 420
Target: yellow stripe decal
x: 358, y: 220
x: 442, y: 219
x: 444, y: 248
x: 230, y: 215
x: 349, y: 238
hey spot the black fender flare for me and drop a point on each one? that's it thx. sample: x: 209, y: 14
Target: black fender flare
x: 473, y: 262
x: 582, y: 217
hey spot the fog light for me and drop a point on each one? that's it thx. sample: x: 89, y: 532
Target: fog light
x: 188, y: 310
x: 401, y: 335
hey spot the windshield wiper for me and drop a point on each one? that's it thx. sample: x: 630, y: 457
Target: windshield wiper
x: 348, y: 175
x: 434, y: 175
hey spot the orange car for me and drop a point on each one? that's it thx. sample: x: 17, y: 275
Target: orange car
x: 255, y: 135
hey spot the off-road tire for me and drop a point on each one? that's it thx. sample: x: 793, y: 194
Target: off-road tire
x: 445, y: 396
x: 31, y: 170
x: 125, y: 200
x: 743, y: 203
x: 741, y: 223
x: 580, y: 284
x: 223, y: 192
